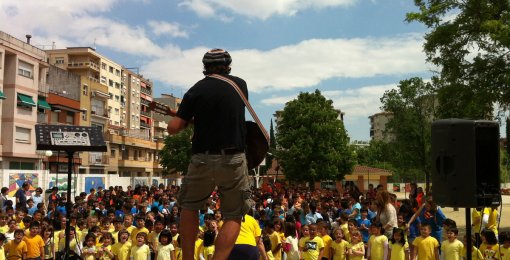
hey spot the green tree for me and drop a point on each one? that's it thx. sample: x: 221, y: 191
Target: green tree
x: 176, y: 154
x: 469, y: 42
x: 413, y: 108
x: 312, y: 141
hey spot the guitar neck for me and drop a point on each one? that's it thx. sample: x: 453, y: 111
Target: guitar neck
x: 162, y: 109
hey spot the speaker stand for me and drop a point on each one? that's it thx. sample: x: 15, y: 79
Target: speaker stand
x: 469, y: 242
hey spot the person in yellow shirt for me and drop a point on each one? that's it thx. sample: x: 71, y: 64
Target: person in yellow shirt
x: 276, y: 243
x: 128, y: 223
x: 208, y: 249
x: 504, y: 249
x: 16, y: 249
x: 3, y: 223
x: 35, y: 243
x: 313, y: 247
x: 476, y: 223
x: 492, y: 214
x: 356, y: 249
x: 118, y: 226
x: 2, y: 242
x: 425, y: 246
x: 323, y: 232
x: 452, y: 247
x: 248, y: 245
x: 153, y: 237
x: 378, y: 244
x: 122, y: 249
x: 489, y: 246
x: 140, y: 250
x: 140, y: 228
x: 399, y: 248
x: 339, y: 246
x: 475, y: 252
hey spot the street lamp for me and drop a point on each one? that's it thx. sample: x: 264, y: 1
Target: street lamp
x: 43, y: 153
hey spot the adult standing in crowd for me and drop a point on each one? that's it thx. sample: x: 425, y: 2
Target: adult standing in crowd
x: 248, y: 245
x: 386, y: 212
x: 21, y: 196
x: 218, y: 157
x: 430, y: 213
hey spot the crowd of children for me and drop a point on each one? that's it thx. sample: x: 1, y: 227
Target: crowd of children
x: 297, y: 223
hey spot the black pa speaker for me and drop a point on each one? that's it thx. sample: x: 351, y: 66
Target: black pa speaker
x: 465, y: 163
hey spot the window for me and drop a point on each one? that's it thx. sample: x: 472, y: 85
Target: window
x: 70, y: 117
x: 117, y: 72
x: 103, y: 80
x: 117, y: 98
x: 84, y: 115
x: 25, y: 69
x: 117, y: 85
x: 111, y: 95
x: 21, y: 166
x: 116, y: 111
x: 85, y: 90
x: 103, y: 65
x: 59, y: 60
x: 111, y: 69
x: 54, y: 117
x: 112, y: 152
x: 22, y: 134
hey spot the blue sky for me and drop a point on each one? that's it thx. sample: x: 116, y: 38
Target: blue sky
x: 351, y: 50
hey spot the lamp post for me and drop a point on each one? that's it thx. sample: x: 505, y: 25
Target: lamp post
x: 42, y: 154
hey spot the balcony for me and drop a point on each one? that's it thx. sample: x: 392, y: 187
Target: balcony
x: 145, y: 101
x: 99, y: 113
x: 136, y: 163
x: 83, y: 64
x: 144, y: 125
x: 145, y: 113
x: 98, y: 159
x: 146, y: 91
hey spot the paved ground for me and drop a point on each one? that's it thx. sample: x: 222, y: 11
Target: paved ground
x: 460, y: 215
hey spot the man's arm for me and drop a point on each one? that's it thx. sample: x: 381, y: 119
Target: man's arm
x: 176, y: 125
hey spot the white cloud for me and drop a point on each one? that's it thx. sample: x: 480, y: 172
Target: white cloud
x: 165, y: 28
x: 261, y: 9
x: 76, y: 23
x: 304, y: 64
x: 355, y: 102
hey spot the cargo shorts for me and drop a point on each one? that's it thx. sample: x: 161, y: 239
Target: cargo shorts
x: 227, y: 172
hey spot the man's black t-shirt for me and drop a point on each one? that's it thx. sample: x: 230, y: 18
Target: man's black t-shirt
x: 218, y: 114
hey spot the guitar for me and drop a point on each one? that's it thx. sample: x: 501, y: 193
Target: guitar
x: 256, y: 142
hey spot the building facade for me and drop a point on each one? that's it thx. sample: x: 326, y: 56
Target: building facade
x: 74, y: 86
x: 23, y: 70
x: 378, y: 131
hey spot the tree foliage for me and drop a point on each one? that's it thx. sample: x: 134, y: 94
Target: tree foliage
x: 272, y: 149
x: 176, y: 154
x: 312, y: 141
x: 413, y: 107
x: 469, y: 42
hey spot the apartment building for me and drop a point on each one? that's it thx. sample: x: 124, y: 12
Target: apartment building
x: 23, y: 93
x: 111, y: 99
x: 378, y: 131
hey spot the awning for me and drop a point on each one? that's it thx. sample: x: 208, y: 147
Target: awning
x: 26, y: 100
x: 66, y: 108
x: 42, y: 103
x: 2, y: 96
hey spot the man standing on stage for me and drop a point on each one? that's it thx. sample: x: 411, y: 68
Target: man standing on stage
x: 218, y: 158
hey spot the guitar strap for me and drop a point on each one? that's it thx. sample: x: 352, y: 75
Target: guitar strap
x: 246, y: 102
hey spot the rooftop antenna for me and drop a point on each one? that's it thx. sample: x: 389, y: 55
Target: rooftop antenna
x: 94, y: 44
